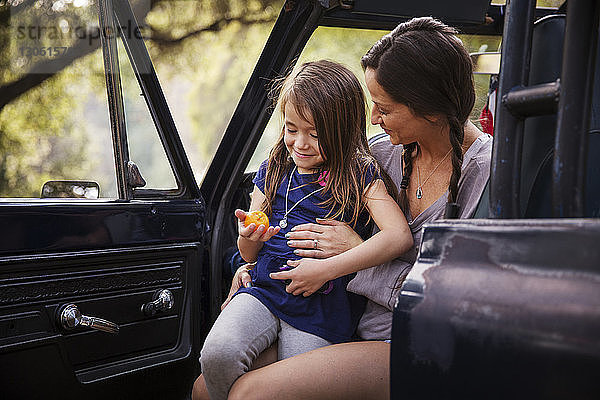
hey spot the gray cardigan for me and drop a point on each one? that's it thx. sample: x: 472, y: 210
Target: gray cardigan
x: 381, y: 284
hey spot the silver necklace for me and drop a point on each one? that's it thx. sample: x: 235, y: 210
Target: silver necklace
x: 283, y: 223
x: 419, y: 184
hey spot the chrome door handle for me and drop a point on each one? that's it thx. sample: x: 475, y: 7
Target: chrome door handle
x: 70, y: 318
x: 162, y: 301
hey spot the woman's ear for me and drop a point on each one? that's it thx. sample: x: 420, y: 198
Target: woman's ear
x: 436, y: 119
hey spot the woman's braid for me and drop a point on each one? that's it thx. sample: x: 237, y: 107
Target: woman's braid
x: 457, y: 134
x: 407, y: 160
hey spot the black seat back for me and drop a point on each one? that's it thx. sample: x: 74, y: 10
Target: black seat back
x: 540, y: 132
x: 538, y: 141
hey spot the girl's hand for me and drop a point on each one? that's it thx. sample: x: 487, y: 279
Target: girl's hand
x: 241, y: 278
x: 307, y: 276
x: 252, y: 232
x: 324, y: 239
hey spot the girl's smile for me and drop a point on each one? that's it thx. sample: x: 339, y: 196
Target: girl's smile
x: 301, y: 140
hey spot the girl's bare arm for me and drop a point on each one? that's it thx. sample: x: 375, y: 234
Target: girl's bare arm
x: 393, y: 239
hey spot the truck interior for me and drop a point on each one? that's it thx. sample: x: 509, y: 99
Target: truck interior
x: 504, y: 305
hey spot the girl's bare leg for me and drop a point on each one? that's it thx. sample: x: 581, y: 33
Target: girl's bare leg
x: 269, y: 356
x: 358, y: 370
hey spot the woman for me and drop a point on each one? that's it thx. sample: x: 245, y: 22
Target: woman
x: 419, y: 77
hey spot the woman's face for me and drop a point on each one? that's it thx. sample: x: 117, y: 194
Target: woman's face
x: 396, y: 119
x: 301, y: 140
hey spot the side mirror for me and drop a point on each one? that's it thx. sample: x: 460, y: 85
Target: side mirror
x: 486, y: 63
x: 71, y: 189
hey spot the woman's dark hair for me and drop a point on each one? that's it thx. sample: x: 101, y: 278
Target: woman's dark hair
x: 423, y: 65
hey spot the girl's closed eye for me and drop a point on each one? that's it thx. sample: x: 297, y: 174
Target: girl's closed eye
x: 314, y: 135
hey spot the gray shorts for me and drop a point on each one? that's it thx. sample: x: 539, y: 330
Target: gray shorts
x: 243, y: 330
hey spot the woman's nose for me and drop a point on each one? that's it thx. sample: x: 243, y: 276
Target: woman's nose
x: 375, y: 117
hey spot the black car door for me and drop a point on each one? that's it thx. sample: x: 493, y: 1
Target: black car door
x: 100, y: 296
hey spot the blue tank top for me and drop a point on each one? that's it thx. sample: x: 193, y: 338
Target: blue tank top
x: 332, y: 316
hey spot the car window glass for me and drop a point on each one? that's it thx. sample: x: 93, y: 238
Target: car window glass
x: 325, y: 44
x: 54, y: 121
x: 145, y: 147
x: 204, y: 53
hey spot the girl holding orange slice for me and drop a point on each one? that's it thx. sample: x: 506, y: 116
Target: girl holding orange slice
x: 320, y: 167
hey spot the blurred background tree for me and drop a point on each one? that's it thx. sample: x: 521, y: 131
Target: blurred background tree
x: 53, y: 113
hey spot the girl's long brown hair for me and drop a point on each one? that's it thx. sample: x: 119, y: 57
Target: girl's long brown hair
x: 332, y: 95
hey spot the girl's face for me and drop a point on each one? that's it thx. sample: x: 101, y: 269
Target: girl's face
x: 301, y: 140
x: 396, y: 119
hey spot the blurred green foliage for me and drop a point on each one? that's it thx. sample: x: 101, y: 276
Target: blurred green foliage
x: 41, y: 134
x: 203, y: 51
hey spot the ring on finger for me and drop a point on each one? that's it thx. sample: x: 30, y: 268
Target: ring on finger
x: 315, y: 243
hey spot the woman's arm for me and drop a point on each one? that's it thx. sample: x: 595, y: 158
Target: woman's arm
x: 251, y: 238
x: 393, y: 239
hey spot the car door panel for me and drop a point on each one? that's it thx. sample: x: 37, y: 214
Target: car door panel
x: 128, y: 251
x: 109, y: 258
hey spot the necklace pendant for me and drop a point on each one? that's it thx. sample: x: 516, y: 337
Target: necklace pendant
x: 283, y: 223
x: 419, y: 192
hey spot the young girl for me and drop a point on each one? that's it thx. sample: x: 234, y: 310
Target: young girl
x: 320, y: 168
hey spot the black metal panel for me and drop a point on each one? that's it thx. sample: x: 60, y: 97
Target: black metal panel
x: 108, y: 257
x: 493, y: 25
x: 41, y: 226
x: 463, y: 11
x: 501, y: 309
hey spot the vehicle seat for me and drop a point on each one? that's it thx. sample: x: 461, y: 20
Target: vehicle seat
x: 539, y: 197
x: 539, y: 132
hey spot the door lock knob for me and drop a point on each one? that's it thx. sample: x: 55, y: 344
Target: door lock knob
x: 162, y: 301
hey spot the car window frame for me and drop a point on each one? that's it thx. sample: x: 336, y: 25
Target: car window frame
x: 147, y: 79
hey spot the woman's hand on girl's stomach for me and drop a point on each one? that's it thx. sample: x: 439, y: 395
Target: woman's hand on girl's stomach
x: 307, y: 276
x: 253, y: 232
x: 324, y: 239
